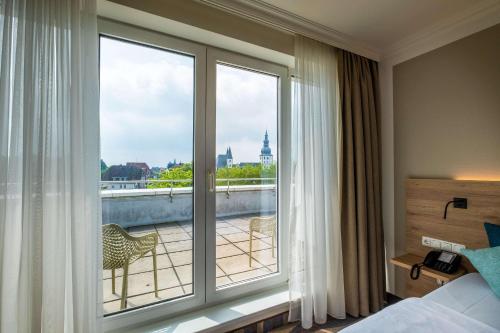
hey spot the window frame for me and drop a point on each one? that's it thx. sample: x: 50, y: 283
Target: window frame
x: 140, y: 36
x: 204, y: 286
x: 218, y: 56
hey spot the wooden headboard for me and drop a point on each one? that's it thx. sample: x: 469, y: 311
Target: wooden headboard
x: 425, y: 202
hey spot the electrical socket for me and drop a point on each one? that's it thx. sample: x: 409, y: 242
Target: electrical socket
x: 447, y: 246
x: 435, y: 243
x: 426, y: 241
x: 441, y: 244
x: 457, y: 247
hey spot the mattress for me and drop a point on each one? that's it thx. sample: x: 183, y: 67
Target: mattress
x: 471, y: 296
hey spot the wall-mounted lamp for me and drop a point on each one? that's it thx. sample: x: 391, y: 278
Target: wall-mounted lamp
x: 457, y: 203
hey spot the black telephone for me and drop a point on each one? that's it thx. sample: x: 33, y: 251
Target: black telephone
x: 443, y: 261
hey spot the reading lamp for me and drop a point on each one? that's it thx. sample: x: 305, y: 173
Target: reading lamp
x: 457, y: 203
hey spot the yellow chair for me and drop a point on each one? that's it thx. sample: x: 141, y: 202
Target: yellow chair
x: 121, y: 249
x: 265, y: 226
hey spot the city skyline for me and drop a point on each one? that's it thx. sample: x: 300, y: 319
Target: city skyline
x: 176, y: 161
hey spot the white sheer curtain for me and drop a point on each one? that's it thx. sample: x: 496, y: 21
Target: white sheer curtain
x: 316, y: 275
x: 49, y: 162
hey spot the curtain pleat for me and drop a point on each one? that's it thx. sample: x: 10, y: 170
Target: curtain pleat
x: 361, y: 218
x: 49, y: 167
x: 316, y: 278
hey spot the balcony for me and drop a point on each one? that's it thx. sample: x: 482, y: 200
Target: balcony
x: 168, y: 212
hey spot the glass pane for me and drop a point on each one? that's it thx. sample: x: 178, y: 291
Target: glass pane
x: 246, y: 198
x: 146, y: 173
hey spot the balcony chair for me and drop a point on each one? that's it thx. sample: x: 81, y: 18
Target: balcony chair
x: 121, y: 249
x: 263, y: 225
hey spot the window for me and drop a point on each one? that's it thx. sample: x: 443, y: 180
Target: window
x: 191, y: 143
x: 246, y: 169
x: 147, y: 98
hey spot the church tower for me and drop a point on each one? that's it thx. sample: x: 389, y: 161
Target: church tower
x: 266, y: 157
x: 229, y: 156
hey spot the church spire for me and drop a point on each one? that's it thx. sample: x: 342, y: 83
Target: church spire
x: 266, y: 157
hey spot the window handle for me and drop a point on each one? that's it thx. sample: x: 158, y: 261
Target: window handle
x: 211, y: 181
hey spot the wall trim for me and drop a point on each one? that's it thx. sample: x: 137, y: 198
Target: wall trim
x: 483, y: 15
x: 265, y: 13
x: 128, y: 15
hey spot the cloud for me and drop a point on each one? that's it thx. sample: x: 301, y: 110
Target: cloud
x: 147, y: 106
x: 246, y: 108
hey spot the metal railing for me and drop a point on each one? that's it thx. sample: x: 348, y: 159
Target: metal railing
x: 228, y: 183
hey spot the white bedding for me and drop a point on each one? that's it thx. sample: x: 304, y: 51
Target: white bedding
x: 471, y: 296
x: 464, y: 305
x: 419, y: 315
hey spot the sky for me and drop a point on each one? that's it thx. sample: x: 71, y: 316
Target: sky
x: 146, y: 107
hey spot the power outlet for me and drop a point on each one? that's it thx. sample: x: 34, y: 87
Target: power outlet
x: 436, y: 243
x: 426, y: 241
x: 441, y: 244
x: 457, y: 247
x: 447, y: 246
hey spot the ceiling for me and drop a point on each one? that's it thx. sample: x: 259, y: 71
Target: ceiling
x: 379, y: 23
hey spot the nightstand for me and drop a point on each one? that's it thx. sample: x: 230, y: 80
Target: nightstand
x: 406, y: 261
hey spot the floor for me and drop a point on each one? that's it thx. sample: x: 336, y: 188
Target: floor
x: 175, y: 257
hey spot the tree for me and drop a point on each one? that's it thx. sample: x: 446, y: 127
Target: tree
x: 122, y: 171
x: 247, y: 172
x: 183, y: 172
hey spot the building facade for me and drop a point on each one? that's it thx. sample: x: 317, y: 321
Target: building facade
x: 225, y: 160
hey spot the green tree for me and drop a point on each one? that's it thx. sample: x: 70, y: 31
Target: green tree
x: 247, y: 172
x: 183, y: 172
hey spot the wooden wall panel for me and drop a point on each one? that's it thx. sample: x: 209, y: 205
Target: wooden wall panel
x: 425, y: 202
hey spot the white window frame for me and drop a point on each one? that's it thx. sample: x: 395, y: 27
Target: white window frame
x: 204, y: 287
x: 215, y: 56
x: 132, y: 317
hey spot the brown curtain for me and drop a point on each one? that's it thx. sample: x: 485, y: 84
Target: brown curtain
x: 361, y: 218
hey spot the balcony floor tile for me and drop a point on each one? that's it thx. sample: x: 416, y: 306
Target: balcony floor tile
x: 179, y: 246
x: 238, y: 237
x: 237, y: 264
x: 227, y: 250
x: 185, y: 273
x: 181, y: 258
x: 166, y: 238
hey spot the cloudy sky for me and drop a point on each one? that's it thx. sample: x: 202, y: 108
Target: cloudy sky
x: 147, y: 107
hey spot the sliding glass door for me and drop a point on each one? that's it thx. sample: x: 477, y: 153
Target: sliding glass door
x: 193, y: 206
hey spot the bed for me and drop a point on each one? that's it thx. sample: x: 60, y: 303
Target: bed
x: 463, y: 305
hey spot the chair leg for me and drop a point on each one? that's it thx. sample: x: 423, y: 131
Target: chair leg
x: 250, y: 253
x: 113, y: 284
x: 155, y: 272
x: 123, y: 304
